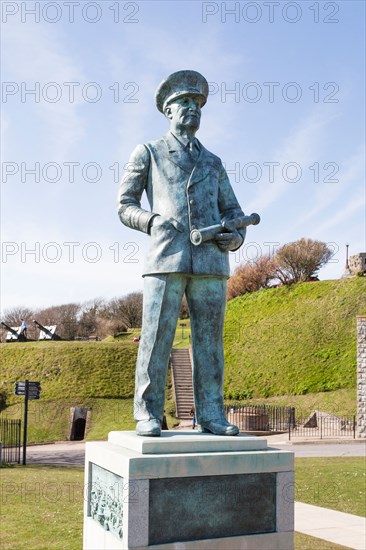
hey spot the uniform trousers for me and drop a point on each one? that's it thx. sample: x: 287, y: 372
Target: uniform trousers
x: 206, y: 298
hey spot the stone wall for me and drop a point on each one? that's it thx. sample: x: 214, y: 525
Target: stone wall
x: 357, y: 263
x: 361, y: 376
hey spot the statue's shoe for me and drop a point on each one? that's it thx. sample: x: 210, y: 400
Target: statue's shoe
x: 150, y: 427
x: 219, y: 427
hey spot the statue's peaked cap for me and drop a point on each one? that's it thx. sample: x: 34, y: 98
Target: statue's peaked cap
x: 180, y: 84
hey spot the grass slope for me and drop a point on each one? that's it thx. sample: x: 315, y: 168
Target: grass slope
x: 69, y: 369
x: 48, y: 420
x: 341, y: 402
x: 293, y: 339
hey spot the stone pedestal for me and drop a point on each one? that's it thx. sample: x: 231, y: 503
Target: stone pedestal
x: 186, y: 490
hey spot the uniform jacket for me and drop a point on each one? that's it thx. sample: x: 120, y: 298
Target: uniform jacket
x: 192, y: 194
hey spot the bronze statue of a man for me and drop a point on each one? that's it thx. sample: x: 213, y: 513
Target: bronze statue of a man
x: 187, y: 189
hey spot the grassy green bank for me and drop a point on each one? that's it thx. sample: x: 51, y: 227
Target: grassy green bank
x: 293, y: 340
x: 49, y: 421
x: 68, y: 369
x: 339, y: 402
x: 84, y: 369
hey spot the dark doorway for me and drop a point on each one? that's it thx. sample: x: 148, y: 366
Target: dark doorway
x: 79, y: 429
x: 78, y: 423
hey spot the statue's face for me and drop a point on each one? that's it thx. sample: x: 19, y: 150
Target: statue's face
x: 184, y: 111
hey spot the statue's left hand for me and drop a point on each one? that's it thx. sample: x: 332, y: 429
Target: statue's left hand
x: 229, y: 241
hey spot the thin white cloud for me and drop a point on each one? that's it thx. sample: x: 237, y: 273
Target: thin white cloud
x: 343, y: 215
x: 351, y: 172
x: 300, y: 146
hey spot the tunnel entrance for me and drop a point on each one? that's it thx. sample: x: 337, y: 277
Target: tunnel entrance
x: 79, y: 429
x: 78, y: 423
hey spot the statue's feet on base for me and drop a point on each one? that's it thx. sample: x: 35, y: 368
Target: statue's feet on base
x: 150, y: 428
x: 219, y: 427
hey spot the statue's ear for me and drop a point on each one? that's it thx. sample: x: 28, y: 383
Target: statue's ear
x: 168, y: 112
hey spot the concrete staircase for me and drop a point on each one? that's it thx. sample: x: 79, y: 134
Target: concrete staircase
x: 180, y: 361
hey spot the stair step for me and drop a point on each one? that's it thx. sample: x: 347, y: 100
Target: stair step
x: 180, y: 362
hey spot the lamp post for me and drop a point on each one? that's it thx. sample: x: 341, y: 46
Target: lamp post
x: 347, y: 265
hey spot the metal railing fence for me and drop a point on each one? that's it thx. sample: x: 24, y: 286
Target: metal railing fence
x: 324, y: 426
x: 10, y: 435
x: 261, y: 418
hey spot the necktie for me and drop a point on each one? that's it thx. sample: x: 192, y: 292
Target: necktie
x: 192, y: 148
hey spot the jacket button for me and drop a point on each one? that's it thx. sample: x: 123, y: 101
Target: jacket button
x: 191, y: 201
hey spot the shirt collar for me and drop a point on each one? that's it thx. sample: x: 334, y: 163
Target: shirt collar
x: 184, y: 142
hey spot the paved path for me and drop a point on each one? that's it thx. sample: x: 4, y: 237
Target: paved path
x: 318, y: 448
x: 68, y: 453
x: 337, y: 527
x: 71, y: 453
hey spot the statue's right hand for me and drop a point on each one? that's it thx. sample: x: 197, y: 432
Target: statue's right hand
x: 160, y: 221
x: 155, y: 221
x: 165, y: 223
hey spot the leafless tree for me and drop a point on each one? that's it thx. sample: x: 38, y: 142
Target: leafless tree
x: 300, y: 260
x: 127, y: 310
x: 251, y: 276
x: 12, y: 317
x: 65, y: 316
x: 89, y: 317
x: 184, y: 311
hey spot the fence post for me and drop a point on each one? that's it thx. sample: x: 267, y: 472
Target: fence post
x: 354, y: 426
x: 321, y: 427
x: 19, y: 439
x: 25, y: 426
x: 289, y: 426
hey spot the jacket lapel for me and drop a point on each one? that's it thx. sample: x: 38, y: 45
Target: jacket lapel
x: 197, y: 170
x: 202, y: 166
x: 174, y: 154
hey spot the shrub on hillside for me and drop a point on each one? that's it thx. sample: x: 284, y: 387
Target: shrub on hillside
x: 294, y: 262
x: 251, y: 277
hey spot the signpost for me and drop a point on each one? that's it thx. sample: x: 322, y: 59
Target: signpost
x: 183, y: 325
x: 30, y: 390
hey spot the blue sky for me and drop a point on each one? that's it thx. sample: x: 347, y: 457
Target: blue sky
x: 285, y: 114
